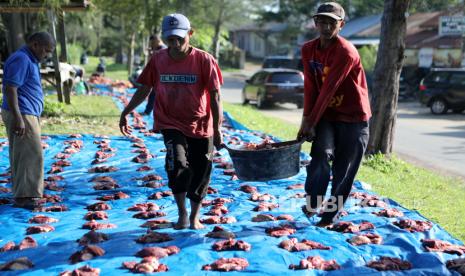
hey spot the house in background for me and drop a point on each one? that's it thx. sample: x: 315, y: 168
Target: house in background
x: 259, y: 41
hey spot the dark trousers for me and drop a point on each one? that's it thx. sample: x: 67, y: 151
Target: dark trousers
x: 188, y: 163
x: 338, y: 148
x: 150, y: 102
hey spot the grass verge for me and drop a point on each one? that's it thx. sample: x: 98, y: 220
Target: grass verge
x: 438, y: 198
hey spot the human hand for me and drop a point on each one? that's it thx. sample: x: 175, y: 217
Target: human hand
x: 218, y: 139
x: 19, y: 128
x: 306, y: 133
x: 124, y: 127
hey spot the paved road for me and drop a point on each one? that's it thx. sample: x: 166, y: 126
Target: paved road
x: 434, y: 142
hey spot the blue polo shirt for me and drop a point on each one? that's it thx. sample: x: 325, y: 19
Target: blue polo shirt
x: 21, y: 70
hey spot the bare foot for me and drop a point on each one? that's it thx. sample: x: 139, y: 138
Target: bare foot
x: 195, y: 224
x: 182, y: 223
x: 306, y: 212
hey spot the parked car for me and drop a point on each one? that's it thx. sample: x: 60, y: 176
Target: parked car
x: 443, y: 89
x: 279, y: 62
x: 272, y: 85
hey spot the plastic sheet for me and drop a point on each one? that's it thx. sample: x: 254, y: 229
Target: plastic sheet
x: 265, y: 258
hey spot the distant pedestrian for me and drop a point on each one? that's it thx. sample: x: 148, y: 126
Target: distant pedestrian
x: 23, y: 103
x: 101, y: 67
x: 155, y: 44
x: 336, y: 113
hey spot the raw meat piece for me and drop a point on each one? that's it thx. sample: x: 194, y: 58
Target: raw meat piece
x: 389, y: 213
x: 99, y: 206
x: 153, y: 184
x: 265, y: 144
x: 87, y: 253
x: 349, y: 227
x: 62, y: 163
x: 27, y: 242
x: 159, y: 195
x: 52, y: 198
x: 8, y: 246
x: 414, y: 225
x: 5, y: 190
x: 457, y: 265
x: 92, y: 237
x: 261, y: 197
x: 100, y: 186
x: 225, y: 165
x: 54, y: 178
x: 103, y: 155
x: 216, y: 201
x: 296, y: 186
x: 373, y: 203
x: 93, y: 225
x: 218, y: 232
x: 432, y: 245
x: 218, y: 220
x: 98, y: 161
x: 141, y: 150
x: 231, y: 244
x: 368, y: 238
x: 82, y: 271
x: 265, y: 207
x: 157, y: 224
x: 158, y: 252
x: 293, y: 245
x: 39, y: 229
x: 103, y: 169
x: 142, y: 158
x: 74, y: 135
x: 149, y: 206
x: 96, y: 215
x: 62, y: 156
x: 361, y: 195
x: 279, y: 231
x: 149, y: 214
x: 154, y: 237
x: 147, y: 265
x: 388, y: 263
x: 152, y: 177
x: 116, y: 196
x: 144, y: 168
x: 229, y: 172
x: 219, y: 160
x: 55, y: 169
x: 139, y: 145
x: 211, y: 190
x: 42, y: 219
x: 315, y: 262
x: 52, y: 186
x: 217, y: 210
x: 248, y: 189
x: 227, y: 264
x: 70, y: 150
x: 263, y: 217
x: 17, y: 264
x: 103, y: 179
x: 54, y: 208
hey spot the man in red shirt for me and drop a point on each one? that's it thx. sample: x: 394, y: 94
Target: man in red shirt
x: 187, y: 112
x: 336, y: 113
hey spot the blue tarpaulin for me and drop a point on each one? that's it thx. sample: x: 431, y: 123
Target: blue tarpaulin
x: 265, y: 257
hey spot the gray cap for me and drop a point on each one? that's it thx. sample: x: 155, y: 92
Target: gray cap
x: 331, y: 9
x: 175, y: 24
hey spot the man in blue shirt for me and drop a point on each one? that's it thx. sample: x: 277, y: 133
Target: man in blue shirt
x: 23, y: 102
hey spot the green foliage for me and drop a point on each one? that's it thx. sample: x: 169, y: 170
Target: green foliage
x: 74, y: 53
x: 368, y: 57
x: 52, y: 108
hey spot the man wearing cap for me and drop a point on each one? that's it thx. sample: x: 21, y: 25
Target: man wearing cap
x: 23, y: 103
x: 187, y: 112
x: 336, y: 113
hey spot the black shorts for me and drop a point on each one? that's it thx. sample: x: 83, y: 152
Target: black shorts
x: 188, y: 163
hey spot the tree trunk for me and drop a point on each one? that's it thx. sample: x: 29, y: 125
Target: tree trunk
x: 15, y: 31
x: 386, y: 76
x: 62, y: 37
x: 216, y: 37
x: 131, y: 53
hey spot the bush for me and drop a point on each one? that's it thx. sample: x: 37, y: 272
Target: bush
x: 368, y: 57
x: 52, y: 108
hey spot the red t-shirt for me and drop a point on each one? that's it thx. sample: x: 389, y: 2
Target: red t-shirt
x: 335, y: 86
x: 182, y: 99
